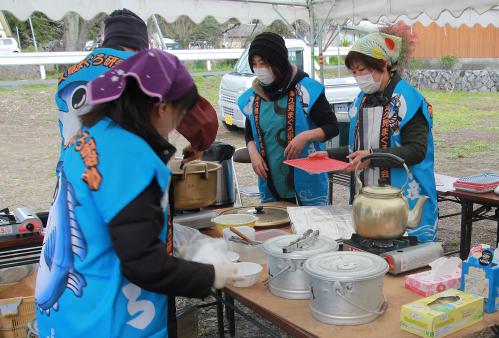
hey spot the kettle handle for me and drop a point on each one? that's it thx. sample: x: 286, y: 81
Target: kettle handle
x: 381, y: 156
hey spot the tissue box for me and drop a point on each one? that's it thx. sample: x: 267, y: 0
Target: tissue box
x: 441, y: 314
x: 424, y: 284
x: 482, y: 280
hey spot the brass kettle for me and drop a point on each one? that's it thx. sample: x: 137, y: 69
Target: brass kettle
x: 382, y: 211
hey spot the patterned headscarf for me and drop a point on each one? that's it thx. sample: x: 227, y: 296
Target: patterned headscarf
x: 379, y: 46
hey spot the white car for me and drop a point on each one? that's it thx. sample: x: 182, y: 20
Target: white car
x: 8, y: 45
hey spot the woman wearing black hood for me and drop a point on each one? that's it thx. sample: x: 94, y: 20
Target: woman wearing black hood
x: 287, y: 116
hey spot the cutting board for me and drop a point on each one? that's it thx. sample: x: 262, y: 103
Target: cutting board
x: 316, y: 165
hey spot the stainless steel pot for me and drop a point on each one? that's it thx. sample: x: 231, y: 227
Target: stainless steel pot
x: 347, y: 287
x: 382, y: 211
x: 287, y: 278
x: 221, y: 153
x: 195, y: 185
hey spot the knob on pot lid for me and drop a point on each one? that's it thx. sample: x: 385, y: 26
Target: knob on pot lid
x: 273, y: 247
x: 346, y: 265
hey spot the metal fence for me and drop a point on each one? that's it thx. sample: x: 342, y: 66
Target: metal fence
x: 64, y: 58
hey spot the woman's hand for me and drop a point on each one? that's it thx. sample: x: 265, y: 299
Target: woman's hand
x: 294, y: 147
x: 225, y: 274
x: 259, y: 165
x: 319, y: 154
x: 190, y: 154
x: 355, y: 158
x: 257, y: 161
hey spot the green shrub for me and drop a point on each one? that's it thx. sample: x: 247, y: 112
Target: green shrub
x: 415, y: 64
x: 449, y: 61
x: 345, y: 43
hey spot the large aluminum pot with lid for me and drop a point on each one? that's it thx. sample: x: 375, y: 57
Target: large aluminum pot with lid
x: 194, y: 184
x: 382, y: 211
x: 347, y: 287
x: 287, y: 278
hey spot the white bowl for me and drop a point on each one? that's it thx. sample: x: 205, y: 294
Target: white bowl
x: 249, y: 271
x: 232, y: 256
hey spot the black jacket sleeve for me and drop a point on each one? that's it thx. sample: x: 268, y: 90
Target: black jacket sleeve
x: 248, y: 132
x: 414, y: 143
x: 324, y: 117
x: 144, y: 261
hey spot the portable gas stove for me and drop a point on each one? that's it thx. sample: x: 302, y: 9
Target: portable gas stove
x: 21, y: 221
x: 402, y: 254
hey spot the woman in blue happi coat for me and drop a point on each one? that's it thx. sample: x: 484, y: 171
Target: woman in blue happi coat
x: 390, y: 116
x: 106, y: 267
x: 287, y: 117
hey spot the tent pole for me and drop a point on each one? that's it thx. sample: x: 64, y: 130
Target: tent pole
x: 338, y: 66
x: 33, y: 34
x: 268, y: 2
x: 155, y: 21
x: 42, y: 67
x: 332, y: 37
x: 324, y: 22
x: 321, y: 59
x: 286, y: 22
x: 312, y: 42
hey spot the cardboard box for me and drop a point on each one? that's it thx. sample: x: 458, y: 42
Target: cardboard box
x: 424, y: 284
x: 441, y: 314
x: 482, y: 280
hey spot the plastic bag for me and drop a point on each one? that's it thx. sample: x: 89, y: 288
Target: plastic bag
x: 192, y: 245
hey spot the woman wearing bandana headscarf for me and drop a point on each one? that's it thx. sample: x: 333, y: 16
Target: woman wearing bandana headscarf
x: 287, y: 116
x: 390, y: 116
x: 106, y: 268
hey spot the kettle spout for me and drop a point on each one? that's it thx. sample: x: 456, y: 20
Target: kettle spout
x: 415, y: 213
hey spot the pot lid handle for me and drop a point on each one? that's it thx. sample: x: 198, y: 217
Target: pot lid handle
x: 308, y: 237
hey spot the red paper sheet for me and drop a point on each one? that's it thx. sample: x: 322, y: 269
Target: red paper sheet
x: 316, y: 165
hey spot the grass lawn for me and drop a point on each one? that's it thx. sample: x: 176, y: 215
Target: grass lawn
x: 466, y: 131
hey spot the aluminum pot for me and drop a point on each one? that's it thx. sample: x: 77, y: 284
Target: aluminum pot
x: 347, y: 287
x: 287, y: 278
x: 194, y: 185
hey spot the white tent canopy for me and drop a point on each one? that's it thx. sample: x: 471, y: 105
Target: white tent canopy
x: 266, y: 11
x: 468, y: 18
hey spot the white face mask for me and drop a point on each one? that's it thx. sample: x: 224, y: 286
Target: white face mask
x: 367, y: 84
x: 264, y: 75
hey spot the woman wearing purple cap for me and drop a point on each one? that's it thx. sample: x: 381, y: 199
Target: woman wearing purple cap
x: 104, y: 270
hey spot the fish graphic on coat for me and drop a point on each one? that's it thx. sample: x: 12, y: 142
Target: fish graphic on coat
x: 63, y: 240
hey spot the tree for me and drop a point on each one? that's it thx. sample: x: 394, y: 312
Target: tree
x: 45, y: 29
x: 77, y: 30
x: 208, y: 30
x: 280, y: 28
x: 181, y: 30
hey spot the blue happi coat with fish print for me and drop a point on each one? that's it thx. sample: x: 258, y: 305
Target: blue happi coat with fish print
x: 405, y: 102
x: 80, y: 290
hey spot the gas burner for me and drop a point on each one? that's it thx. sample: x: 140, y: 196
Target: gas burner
x: 381, y: 243
x: 379, y: 246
